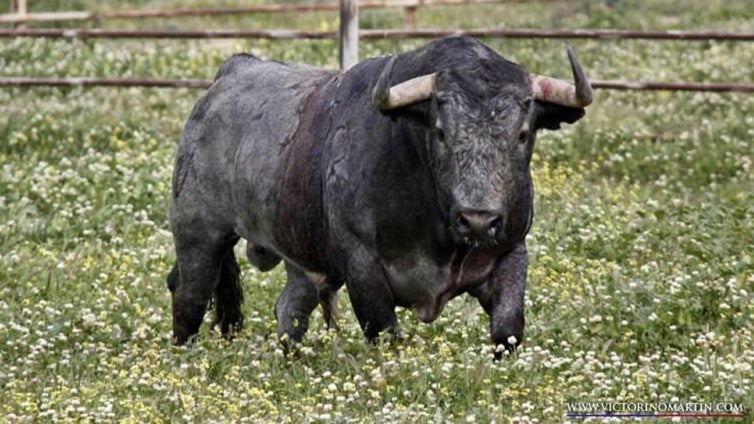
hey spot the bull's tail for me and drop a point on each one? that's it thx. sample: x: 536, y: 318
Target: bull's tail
x: 229, y: 297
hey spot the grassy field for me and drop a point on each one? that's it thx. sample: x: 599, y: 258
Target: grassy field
x: 641, y: 284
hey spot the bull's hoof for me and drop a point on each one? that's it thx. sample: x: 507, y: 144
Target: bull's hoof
x: 183, y: 339
x: 507, y: 348
x: 392, y: 336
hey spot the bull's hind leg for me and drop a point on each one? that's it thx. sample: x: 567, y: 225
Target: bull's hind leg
x: 295, y: 304
x: 302, y: 293
x: 229, y: 297
x: 202, y: 269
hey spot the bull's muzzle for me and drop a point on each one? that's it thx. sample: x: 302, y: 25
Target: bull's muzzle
x: 479, y: 225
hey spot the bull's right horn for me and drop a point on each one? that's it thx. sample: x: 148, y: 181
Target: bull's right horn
x: 387, y: 97
x: 553, y: 90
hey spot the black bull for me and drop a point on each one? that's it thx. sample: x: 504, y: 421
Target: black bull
x: 410, y: 194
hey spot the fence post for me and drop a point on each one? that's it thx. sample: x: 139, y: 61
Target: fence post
x: 409, y: 17
x: 18, y: 7
x: 349, y: 33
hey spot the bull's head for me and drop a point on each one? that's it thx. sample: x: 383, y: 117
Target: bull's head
x: 482, y: 115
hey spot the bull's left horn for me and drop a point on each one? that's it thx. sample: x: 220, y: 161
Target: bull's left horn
x: 553, y: 90
x: 387, y: 97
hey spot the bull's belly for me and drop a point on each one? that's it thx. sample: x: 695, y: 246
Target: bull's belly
x: 418, y: 282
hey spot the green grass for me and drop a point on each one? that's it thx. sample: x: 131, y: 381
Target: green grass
x: 641, y: 283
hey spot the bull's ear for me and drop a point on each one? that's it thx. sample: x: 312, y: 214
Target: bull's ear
x: 550, y: 116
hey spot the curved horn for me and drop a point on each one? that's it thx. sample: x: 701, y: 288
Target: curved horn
x: 387, y: 97
x: 553, y: 90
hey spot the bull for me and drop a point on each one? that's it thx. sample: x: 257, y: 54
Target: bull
x: 405, y: 177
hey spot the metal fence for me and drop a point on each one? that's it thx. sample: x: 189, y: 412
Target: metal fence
x: 200, y: 83
x: 19, y: 14
x: 349, y: 35
x: 372, y: 34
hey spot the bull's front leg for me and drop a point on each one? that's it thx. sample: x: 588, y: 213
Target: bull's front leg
x: 370, y: 294
x: 502, y: 297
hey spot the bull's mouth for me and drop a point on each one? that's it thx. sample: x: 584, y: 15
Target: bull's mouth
x: 465, y: 240
x: 470, y: 242
x: 471, y: 266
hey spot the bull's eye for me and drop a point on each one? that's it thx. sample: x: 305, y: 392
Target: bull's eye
x: 440, y: 134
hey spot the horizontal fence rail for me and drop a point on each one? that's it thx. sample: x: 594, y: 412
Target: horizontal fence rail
x: 381, y: 34
x: 609, y: 34
x: 103, y: 82
x: 217, y: 33
x: 266, y: 8
x: 673, y: 86
x: 201, y: 83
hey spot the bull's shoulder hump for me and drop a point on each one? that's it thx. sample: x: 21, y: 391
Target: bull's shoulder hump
x: 246, y: 82
x: 237, y: 61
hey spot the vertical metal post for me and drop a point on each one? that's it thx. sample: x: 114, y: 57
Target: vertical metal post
x: 349, y: 33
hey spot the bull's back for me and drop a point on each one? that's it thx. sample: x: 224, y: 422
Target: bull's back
x: 253, y: 101
x: 240, y: 138
x: 235, y: 139
x: 266, y: 96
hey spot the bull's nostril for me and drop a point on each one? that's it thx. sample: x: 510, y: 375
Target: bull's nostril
x: 463, y: 222
x: 496, y: 225
x: 479, y: 223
